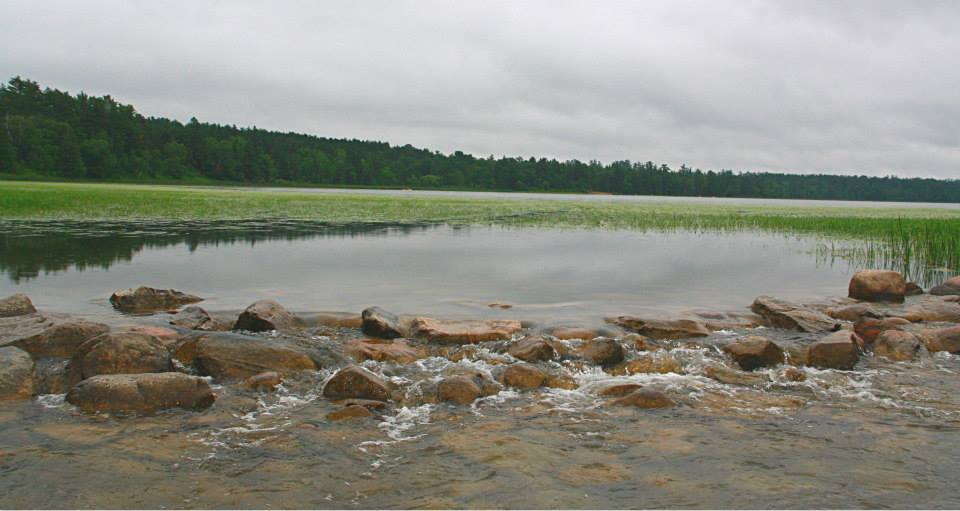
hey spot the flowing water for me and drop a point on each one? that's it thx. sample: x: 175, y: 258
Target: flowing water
x: 884, y: 436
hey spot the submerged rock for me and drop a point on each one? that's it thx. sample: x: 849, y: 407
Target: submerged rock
x: 264, y: 316
x: 791, y: 316
x: 235, y: 356
x: 942, y: 339
x: 464, y: 331
x: 356, y: 382
x: 620, y: 390
x: 267, y: 380
x: 603, y: 352
x: 568, y: 333
x: 60, y: 339
x: 148, y: 299
x: 853, y: 312
x: 663, y: 328
x: 377, y: 349
x: 733, y: 377
x: 377, y: 322
x: 838, y: 350
x: 950, y: 287
x: 349, y: 412
x: 869, y: 328
x: 753, y: 352
x: 657, y: 363
x: 141, y: 393
x: 877, y: 286
x: 535, y: 349
x: 16, y: 305
x: 524, y: 376
x: 897, y: 345
x: 119, y: 353
x: 16, y: 374
x: 196, y: 318
x: 644, y: 398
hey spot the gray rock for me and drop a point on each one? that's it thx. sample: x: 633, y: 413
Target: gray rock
x: 16, y: 374
x: 263, y: 316
x: 377, y: 322
x: 791, y: 316
x: 16, y: 305
x: 148, y: 299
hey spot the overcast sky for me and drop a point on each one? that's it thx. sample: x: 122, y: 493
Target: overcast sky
x: 869, y: 87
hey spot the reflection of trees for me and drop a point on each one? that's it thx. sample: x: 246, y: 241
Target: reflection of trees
x: 27, y: 248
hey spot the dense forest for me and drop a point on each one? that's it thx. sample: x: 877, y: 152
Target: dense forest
x: 48, y: 133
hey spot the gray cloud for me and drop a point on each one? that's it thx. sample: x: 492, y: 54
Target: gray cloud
x: 842, y: 87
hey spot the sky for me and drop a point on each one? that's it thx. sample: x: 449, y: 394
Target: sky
x: 853, y: 87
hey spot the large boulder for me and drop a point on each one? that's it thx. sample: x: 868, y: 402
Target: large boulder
x: 465, y: 388
x: 465, y: 331
x: 792, y: 316
x: 119, y: 353
x: 356, y: 383
x: 950, y: 287
x: 141, y: 393
x: 644, y: 398
x: 603, y: 352
x: 663, y: 328
x: 61, y: 339
x: 16, y: 305
x: 869, y: 328
x: 264, y: 316
x: 196, y: 318
x: 535, y: 349
x: 377, y: 322
x: 148, y: 299
x: 16, y: 374
x: 380, y: 350
x: 897, y: 345
x: 234, y: 356
x: 942, y: 339
x: 754, y: 351
x: 877, y: 286
x: 838, y: 350
x: 524, y: 376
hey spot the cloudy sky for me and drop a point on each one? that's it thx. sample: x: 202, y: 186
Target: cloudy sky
x: 865, y: 87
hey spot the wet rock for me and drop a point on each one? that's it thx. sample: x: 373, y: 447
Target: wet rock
x: 148, y: 299
x: 663, y: 328
x: 620, y: 390
x: 16, y: 374
x: 562, y: 381
x: 464, y: 332
x: 838, y: 350
x: 869, y: 328
x: 644, y: 343
x: 912, y: 289
x: 465, y: 388
x: 535, y: 349
x: 934, y: 310
x: 853, y: 312
x: 942, y: 339
x: 794, y: 374
x: 235, y: 356
x: 897, y: 345
x: 659, y: 363
x: 16, y: 305
x: 349, y: 412
x: 568, y: 333
x: 333, y: 320
x: 267, y: 380
x: 119, y: 353
x: 733, y: 377
x: 264, y: 316
x: 50, y: 376
x: 168, y: 336
x: 753, y: 352
x: 380, y: 350
x: 499, y: 305
x: 791, y: 316
x: 356, y: 382
x: 603, y: 352
x: 60, y: 339
x: 644, y: 398
x: 377, y: 322
x: 196, y: 318
x: 877, y: 286
x: 950, y: 287
x: 141, y: 393
x: 728, y: 320
x: 524, y: 376
x: 369, y: 404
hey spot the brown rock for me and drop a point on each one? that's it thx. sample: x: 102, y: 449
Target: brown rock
x: 464, y: 332
x: 791, y: 316
x: 234, y: 356
x: 795, y: 374
x: 263, y: 316
x: 524, y: 376
x: 141, y: 393
x: 836, y: 351
x: 369, y: 404
x: 663, y: 328
x: 897, y: 345
x: 869, y: 328
x: 943, y: 339
x: 196, y: 318
x: 16, y: 374
x: 877, y: 286
x: 734, y: 377
x: 620, y: 390
x: 934, y: 310
x: 535, y: 349
x: 603, y: 352
x: 913, y: 289
x: 649, y: 364
x: 753, y: 352
x: 267, y: 380
x: 464, y: 388
x: 644, y: 398
x: 61, y: 339
x: 378, y: 349
x: 950, y: 287
x: 349, y: 412
x: 356, y: 382
x: 119, y: 353
x: 16, y: 305
x: 148, y: 299
x: 377, y: 322
x: 167, y: 336
x: 853, y: 312
x: 566, y: 333
x: 562, y: 381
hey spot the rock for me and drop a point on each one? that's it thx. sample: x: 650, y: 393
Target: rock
x: 465, y: 388
x: 524, y: 376
x: 620, y: 390
x: 168, y: 336
x: 16, y: 374
x: 16, y: 305
x: 853, y: 312
x: 377, y: 322
x: 753, y: 352
x: 141, y: 393
x: 659, y: 363
x: 942, y: 339
x: 795, y: 374
x: 119, y: 353
x: 349, y: 412
x: 562, y: 381
x: 838, y: 350
x: 933, y: 310
x: 234, y: 356
x: 464, y: 332
x: 644, y: 398
x: 897, y: 345
x: 377, y: 349
x: 499, y: 305
x: 950, y: 287
x: 267, y: 380
x: 663, y: 328
x: 61, y: 339
x: 356, y: 382
x: 567, y: 333
x: 369, y: 404
x: 333, y: 320
x: 603, y: 352
x: 148, y: 299
x: 196, y: 318
x: 734, y: 377
x: 50, y: 376
x: 791, y: 316
x: 264, y: 316
x: 535, y: 349
x: 869, y: 328
x: 912, y: 289
x: 877, y: 286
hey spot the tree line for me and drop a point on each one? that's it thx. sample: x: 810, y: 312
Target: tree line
x: 52, y: 134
